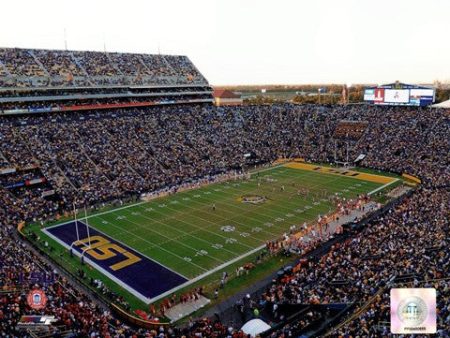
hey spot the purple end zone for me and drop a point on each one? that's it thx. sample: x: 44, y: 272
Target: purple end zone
x: 146, y: 276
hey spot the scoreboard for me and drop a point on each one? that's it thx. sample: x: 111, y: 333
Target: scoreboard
x: 400, y: 94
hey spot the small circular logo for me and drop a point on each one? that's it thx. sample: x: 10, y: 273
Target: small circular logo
x: 227, y: 228
x: 412, y: 311
x: 37, y: 299
x: 252, y: 199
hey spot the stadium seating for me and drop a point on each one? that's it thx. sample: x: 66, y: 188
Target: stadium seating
x: 352, y: 130
x: 97, y: 157
x: 50, y: 160
x: 57, y: 68
x: 363, y: 265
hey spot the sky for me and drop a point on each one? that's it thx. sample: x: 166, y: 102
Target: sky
x: 252, y: 41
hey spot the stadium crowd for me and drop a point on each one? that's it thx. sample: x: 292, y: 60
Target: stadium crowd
x: 375, y: 321
x: 58, y: 68
x: 97, y: 157
x: 76, y: 314
x: 408, y: 242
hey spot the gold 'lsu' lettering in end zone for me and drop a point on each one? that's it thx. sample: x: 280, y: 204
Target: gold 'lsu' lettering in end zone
x: 100, y: 248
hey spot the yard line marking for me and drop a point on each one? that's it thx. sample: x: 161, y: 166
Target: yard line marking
x: 246, y: 211
x: 278, y: 206
x: 223, y: 218
x: 320, y: 184
x: 146, y: 202
x: 149, y: 242
x: 206, y: 228
x: 284, y: 228
x: 182, y: 243
x: 179, y: 237
x: 206, y: 274
x: 140, y: 203
x: 233, y: 206
x: 217, y: 223
x: 186, y: 222
x: 186, y: 233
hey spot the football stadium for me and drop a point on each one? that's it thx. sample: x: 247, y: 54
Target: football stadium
x: 139, y: 199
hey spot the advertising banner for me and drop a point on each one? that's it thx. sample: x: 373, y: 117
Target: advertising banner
x: 379, y: 95
x: 369, y: 95
x: 396, y: 95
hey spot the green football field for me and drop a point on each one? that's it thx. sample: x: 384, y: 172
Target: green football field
x: 184, y: 233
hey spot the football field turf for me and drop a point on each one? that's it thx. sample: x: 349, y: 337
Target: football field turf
x: 193, y: 233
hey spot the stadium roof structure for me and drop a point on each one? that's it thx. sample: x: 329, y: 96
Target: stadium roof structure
x: 225, y: 94
x: 226, y: 97
x: 444, y: 104
x: 42, y: 68
x: 254, y: 327
x: 47, y: 81
x: 401, y: 85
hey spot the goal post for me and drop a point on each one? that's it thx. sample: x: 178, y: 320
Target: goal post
x: 86, y: 222
x: 77, y: 230
x: 344, y: 164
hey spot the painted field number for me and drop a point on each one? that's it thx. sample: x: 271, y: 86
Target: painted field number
x: 102, y: 249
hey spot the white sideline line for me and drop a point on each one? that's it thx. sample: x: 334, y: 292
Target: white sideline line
x: 134, y: 292
x: 209, y: 272
x: 126, y: 246
x: 382, y: 187
x: 156, y: 245
x: 138, y: 294
x: 188, y: 282
x: 234, y: 260
x: 143, y: 202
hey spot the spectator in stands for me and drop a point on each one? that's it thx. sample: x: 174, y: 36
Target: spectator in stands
x: 96, y: 157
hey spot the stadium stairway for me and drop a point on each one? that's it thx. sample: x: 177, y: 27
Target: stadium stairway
x: 4, y: 69
x: 3, y: 160
x: 97, y: 168
x: 40, y: 64
x: 87, y: 77
x: 182, y: 310
x: 114, y: 65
